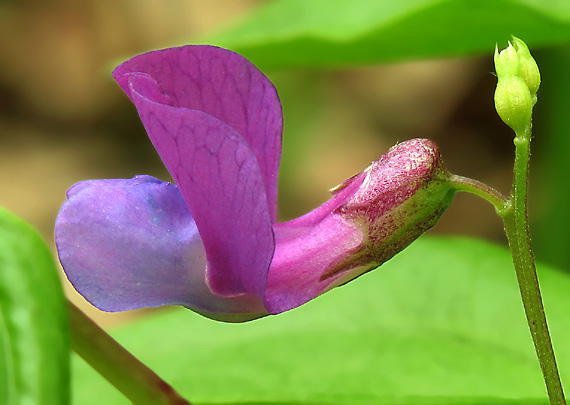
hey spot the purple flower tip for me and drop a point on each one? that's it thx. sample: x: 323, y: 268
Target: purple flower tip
x: 211, y: 242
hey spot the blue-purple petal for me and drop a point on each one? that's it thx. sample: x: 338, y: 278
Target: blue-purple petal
x: 132, y: 243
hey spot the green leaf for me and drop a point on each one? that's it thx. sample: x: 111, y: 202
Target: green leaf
x: 34, y: 335
x: 333, y: 33
x: 441, y: 323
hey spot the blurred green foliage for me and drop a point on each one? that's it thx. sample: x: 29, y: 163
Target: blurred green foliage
x: 440, y: 323
x: 551, y: 191
x: 34, y: 335
x: 333, y: 33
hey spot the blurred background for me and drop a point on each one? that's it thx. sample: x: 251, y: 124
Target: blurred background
x: 63, y: 120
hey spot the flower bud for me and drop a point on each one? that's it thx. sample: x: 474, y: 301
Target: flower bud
x: 518, y: 80
x: 507, y: 62
x: 513, y: 102
x: 528, y: 67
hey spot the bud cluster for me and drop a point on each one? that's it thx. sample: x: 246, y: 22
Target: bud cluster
x: 518, y: 82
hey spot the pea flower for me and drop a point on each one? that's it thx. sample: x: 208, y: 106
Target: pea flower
x: 211, y: 241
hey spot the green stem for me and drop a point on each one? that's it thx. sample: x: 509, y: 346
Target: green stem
x: 515, y: 218
x: 135, y: 380
x: 482, y: 190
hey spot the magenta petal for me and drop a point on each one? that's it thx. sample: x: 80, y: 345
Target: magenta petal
x: 225, y: 86
x: 371, y: 217
x: 303, y: 256
x: 132, y: 243
x: 222, y: 185
x: 309, y: 246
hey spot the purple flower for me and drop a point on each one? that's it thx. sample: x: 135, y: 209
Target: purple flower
x: 212, y: 242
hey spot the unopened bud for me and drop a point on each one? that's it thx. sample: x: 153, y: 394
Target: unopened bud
x: 507, y: 62
x: 518, y: 81
x: 513, y: 102
x: 528, y: 67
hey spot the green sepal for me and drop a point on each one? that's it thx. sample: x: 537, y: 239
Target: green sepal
x: 528, y: 67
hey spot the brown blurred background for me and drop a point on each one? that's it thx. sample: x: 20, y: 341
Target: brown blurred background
x: 63, y: 120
